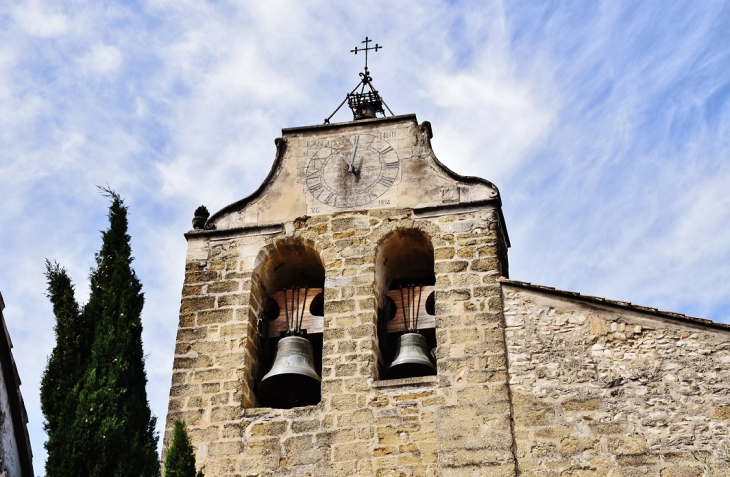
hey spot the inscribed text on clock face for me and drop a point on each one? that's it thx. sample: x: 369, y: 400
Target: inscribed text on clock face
x: 351, y: 171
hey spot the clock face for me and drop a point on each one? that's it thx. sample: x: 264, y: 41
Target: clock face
x: 351, y: 171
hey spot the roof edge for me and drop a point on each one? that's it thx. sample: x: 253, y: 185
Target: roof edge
x: 280, y: 149
x: 623, y: 305
x: 320, y: 127
x: 426, y: 127
x: 428, y: 130
x: 264, y: 229
x: 455, y: 208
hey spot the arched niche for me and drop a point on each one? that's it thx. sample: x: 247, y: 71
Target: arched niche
x: 404, y: 259
x: 280, y: 269
x: 288, y: 263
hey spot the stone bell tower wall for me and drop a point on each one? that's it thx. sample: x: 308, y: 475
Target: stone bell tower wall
x: 455, y: 423
x: 608, y: 388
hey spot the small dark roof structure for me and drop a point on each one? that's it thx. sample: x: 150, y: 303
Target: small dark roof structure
x: 18, y: 414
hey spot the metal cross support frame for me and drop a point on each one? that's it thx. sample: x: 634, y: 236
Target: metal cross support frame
x: 364, y: 105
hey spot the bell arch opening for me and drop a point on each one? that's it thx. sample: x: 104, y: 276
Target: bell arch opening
x: 286, y: 307
x: 405, y: 290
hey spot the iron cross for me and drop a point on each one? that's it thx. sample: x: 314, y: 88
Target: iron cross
x: 376, y: 48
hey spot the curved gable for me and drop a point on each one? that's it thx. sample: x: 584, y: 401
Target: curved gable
x: 367, y: 164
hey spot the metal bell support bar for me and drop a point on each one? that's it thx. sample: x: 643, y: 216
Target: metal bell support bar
x: 411, y: 312
x: 294, y: 315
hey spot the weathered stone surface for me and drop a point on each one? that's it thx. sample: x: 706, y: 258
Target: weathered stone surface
x: 629, y: 392
x: 359, y: 429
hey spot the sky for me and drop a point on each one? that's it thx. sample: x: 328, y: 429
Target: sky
x: 605, y: 125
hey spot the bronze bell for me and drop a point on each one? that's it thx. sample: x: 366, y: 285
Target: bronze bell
x: 411, y: 358
x: 292, y: 380
x: 366, y: 111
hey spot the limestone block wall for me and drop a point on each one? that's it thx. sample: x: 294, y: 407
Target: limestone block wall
x: 611, y: 390
x: 455, y: 423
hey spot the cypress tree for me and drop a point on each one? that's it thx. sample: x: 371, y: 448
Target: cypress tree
x: 114, y: 424
x: 59, y: 385
x: 112, y: 430
x: 180, y: 456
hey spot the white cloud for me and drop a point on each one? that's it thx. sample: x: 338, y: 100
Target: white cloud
x: 101, y: 59
x: 38, y: 19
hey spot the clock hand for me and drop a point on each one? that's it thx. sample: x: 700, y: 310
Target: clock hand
x: 349, y: 164
x: 354, y: 152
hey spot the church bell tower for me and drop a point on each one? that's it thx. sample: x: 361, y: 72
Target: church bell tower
x: 345, y: 318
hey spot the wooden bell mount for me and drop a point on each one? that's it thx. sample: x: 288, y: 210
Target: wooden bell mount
x: 411, y: 304
x: 287, y: 300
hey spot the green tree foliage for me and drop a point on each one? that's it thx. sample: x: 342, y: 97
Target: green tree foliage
x: 112, y: 431
x: 68, y: 359
x: 180, y: 456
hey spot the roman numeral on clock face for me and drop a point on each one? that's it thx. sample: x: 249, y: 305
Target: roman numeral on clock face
x: 386, y: 181
x: 391, y: 165
x: 331, y: 197
x: 312, y: 175
x: 386, y: 150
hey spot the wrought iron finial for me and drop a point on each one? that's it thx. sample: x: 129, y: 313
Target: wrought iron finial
x: 365, y: 104
x: 366, y: 49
